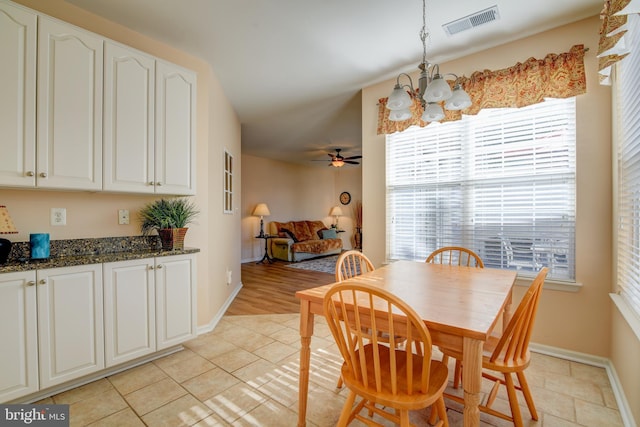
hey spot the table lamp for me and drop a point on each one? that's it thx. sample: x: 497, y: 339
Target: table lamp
x: 336, y: 212
x: 261, y: 210
x: 6, y: 227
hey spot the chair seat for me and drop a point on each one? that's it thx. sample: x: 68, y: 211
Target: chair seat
x: 438, y: 376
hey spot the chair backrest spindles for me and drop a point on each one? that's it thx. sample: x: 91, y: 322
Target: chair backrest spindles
x: 455, y: 255
x: 352, y: 263
x: 514, y: 342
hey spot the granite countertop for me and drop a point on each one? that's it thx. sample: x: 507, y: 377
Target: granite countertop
x: 67, y: 253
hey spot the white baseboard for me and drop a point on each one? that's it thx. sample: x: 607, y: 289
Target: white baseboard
x: 214, y: 321
x: 602, y: 362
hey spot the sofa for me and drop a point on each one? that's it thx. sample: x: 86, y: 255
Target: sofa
x: 300, y: 240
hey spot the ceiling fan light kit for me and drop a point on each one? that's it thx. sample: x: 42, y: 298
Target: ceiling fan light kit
x: 433, y: 88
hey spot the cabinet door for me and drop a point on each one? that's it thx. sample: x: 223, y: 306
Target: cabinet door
x: 175, y: 299
x: 17, y: 96
x: 18, y: 335
x: 129, y: 313
x: 70, y: 323
x: 69, y: 106
x: 175, y: 129
x: 129, y: 101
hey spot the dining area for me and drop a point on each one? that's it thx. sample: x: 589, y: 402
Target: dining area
x: 469, y: 316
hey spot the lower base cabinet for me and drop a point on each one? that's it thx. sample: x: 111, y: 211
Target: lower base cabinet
x: 149, y: 306
x: 60, y: 324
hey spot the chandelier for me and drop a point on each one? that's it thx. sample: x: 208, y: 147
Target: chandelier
x: 433, y: 88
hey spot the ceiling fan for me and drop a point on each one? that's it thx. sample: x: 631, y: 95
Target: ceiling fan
x: 337, y: 160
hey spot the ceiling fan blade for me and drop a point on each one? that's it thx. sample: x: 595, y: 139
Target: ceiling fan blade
x: 353, y: 157
x: 352, y: 162
x: 331, y: 155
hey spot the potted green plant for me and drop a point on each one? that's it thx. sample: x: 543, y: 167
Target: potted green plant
x: 169, y: 217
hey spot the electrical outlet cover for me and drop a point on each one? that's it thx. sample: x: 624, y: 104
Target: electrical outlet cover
x: 58, y: 216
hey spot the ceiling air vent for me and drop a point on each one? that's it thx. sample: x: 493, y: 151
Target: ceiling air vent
x: 472, y: 21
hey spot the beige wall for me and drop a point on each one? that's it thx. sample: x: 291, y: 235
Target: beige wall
x: 95, y: 214
x: 294, y: 192
x: 575, y: 321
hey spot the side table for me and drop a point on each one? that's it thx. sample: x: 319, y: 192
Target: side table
x: 266, y: 256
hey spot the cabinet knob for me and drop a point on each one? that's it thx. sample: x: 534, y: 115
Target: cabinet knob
x: 30, y: 173
x: 43, y: 281
x: 151, y: 267
x: 152, y: 183
x: 159, y: 266
x: 159, y: 184
x: 43, y: 174
x: 31, y: 283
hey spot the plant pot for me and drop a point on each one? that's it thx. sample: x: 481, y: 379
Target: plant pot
x: 172, y: 239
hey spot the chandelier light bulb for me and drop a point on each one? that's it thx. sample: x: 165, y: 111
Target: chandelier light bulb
x: 400, y: 115
x: 399, y: 99
x: 437, y: 90
x: 459, y: 99
x: 433, y: 113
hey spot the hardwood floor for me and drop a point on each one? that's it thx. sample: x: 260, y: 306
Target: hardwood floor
x: 271, y: 288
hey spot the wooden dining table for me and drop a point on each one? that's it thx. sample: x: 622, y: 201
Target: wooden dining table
x: 461, y: 307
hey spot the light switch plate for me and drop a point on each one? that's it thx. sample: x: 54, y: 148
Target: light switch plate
x: 58, y: 216
x: 123, y: 216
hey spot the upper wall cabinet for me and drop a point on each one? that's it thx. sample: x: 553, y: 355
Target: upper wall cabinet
x: 149, y: 141
x: 129, y: 104
x: 140, y: 138
x: 17, y: 96
x: 175, y: 129
x: 69, y: 107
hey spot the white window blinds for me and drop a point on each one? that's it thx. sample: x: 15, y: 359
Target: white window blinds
x: 628, y: 160
x: 501, y: 183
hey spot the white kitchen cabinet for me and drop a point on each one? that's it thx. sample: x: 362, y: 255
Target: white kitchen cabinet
x: 129, y: 111
x: 18, y: 335
x: 175, y: 278
x: 69, y: 107
x: 129, y: 310
x: 175, y: 156
x: 70, y: 323
x: 17, y: 95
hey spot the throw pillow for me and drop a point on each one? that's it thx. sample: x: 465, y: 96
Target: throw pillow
x: 329, y: 234
x: 289, y: 234
x: 319, y: 232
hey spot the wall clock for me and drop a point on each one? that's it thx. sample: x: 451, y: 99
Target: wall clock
x: 345, y: 198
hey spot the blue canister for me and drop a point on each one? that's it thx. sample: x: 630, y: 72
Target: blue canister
x: 39, y: 245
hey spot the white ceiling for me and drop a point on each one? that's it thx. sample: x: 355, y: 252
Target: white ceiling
x: 293, y: 69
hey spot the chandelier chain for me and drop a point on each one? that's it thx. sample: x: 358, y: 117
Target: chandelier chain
x: 423, y: 32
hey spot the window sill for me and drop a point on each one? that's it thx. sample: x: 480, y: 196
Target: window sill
x: 554, y: 285
x: 627, y: 313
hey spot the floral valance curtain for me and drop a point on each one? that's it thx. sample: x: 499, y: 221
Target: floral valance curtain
x: 554, y: 76
x: 612, y: 46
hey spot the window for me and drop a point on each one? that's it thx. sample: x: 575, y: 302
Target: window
x: 501, y: 183
x: 228, y: 182
x: 628, y: 169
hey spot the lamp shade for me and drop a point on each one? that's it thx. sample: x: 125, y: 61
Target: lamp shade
x: 437, y: 90
x: 432, y: 113
x: 261, y: 210
x: 6, y: 223
x: 335, y: 211
x: 459, y: 99
x: 399, y: 99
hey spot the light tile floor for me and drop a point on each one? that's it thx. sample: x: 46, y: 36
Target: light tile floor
x: 245, y: 373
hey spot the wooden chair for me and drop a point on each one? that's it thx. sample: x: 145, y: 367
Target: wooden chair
x: 378, y: 372
x: 455, y: 255
x: 509, y: 354
x: 351, y: 264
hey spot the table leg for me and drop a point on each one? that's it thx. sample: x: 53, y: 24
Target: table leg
x: 471, y: 380
x: 306, y: 331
